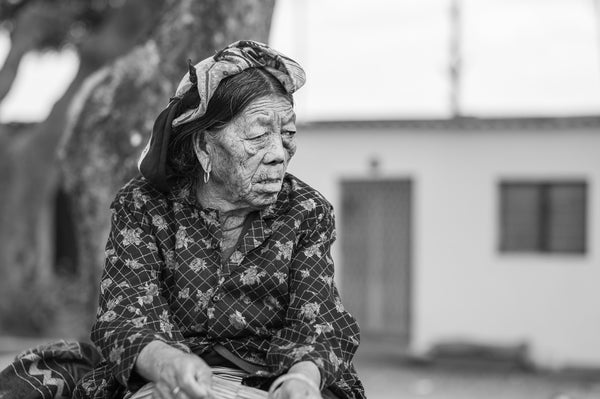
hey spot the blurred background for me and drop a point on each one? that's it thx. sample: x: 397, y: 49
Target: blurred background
x: 458, y: 141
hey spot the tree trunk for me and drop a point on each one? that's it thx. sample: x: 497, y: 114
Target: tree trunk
x: 118, y: 107
x: 29, y: 168
x: 29, y: 177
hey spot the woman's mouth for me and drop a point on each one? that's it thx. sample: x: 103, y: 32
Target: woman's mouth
x: 269, y: 181
x: 270, y: 185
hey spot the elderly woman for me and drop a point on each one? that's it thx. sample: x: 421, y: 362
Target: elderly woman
x: 217, y: 256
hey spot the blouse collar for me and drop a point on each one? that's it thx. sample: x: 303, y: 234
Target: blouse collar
x: 184, y: 193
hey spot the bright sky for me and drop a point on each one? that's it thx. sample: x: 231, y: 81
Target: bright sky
x: 388, y: 59
x: 41, y: 80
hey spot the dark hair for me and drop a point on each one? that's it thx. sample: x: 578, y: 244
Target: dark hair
x: 231, y: 97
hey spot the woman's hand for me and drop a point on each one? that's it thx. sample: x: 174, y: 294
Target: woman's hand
x: 303, y: 383
x: 177, y: 375
x: 296, y: 389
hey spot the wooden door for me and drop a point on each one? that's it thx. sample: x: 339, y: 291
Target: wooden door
x: 376, y: 255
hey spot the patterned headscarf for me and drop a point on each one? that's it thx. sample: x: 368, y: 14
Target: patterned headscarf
x: 196, y: 89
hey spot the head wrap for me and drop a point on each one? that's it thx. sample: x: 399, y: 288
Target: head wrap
x: 196, y: 89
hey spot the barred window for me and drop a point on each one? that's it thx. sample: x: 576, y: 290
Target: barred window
x: 543, y: 216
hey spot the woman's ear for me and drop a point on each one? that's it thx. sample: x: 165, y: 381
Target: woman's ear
x: 201, y: 149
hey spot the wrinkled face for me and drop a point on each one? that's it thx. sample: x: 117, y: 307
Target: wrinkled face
x: 250, y: 155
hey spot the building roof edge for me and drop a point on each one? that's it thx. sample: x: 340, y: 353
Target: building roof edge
x: 465, y: 123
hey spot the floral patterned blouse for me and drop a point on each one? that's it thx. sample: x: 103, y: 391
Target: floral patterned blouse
x: 272, y: 303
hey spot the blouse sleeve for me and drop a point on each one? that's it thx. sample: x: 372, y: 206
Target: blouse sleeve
x: 317, y: 327
x: 132, y: 311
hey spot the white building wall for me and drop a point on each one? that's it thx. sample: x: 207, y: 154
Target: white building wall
x: 463, y: 287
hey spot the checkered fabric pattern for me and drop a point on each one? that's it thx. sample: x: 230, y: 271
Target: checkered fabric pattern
x: 272, y: 303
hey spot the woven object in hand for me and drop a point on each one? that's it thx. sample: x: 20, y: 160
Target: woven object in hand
x: 226, y: 384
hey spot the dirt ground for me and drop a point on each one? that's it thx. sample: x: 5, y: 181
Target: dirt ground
x: 387, y: 374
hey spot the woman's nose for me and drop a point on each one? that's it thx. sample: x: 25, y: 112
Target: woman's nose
x: 275, y: 152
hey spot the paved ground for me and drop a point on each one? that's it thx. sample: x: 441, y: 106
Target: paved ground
x: 388, y: 375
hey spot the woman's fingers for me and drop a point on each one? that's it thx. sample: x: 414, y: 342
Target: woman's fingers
x: 295, y: 389
x: 196, y: 389
x: 183, y: 376
x: 195, y: 378
x: 162, y: 391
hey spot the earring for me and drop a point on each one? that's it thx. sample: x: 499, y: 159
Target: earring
x: 207, y: 174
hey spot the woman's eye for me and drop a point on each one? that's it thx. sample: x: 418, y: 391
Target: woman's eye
x: 288, y: 133
x: 259, y: 137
